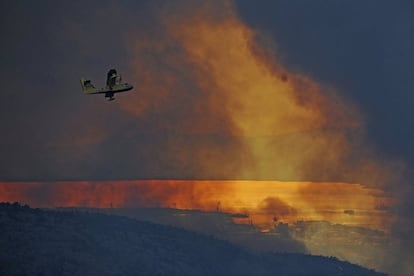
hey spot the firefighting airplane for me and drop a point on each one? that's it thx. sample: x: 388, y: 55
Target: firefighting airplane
x: 113, y: 85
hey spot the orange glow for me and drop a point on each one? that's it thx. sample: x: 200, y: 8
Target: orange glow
x: 257, y: 99
x: 266, y: 202
x: 201, y: 70
x: 209, y: 45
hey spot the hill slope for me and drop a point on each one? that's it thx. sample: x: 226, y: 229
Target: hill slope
x: 44, y: 242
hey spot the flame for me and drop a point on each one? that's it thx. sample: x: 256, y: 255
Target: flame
x: 263, y: 201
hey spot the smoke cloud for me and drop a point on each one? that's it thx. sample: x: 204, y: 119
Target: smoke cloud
x: 204, y: 72
x: 214, y: 95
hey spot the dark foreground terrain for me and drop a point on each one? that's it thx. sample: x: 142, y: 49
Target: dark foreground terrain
x: 46, y: 242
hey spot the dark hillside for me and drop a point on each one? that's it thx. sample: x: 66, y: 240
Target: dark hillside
x: 44, y: 242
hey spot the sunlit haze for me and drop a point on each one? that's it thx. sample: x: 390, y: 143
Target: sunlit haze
x: 264, y: 202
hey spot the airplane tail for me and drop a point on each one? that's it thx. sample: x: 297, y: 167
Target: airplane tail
x: 87, y: 86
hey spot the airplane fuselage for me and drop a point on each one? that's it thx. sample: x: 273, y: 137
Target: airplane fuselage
x: 110, y: 91
x: 123, y: 87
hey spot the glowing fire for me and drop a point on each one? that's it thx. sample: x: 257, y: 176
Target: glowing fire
x: 265, y: 202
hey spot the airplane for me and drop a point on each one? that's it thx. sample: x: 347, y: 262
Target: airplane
x: 113, y: 85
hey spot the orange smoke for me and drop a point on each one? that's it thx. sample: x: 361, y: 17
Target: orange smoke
x: 265, y: 202
x: 203, y: 52
x: 201, y: 70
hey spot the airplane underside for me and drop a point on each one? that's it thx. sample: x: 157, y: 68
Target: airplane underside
x: 110, y: 96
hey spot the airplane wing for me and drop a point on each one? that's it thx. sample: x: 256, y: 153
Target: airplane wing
x: 89, y: 88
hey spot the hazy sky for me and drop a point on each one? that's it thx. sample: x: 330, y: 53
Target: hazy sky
x: 50, y: 130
